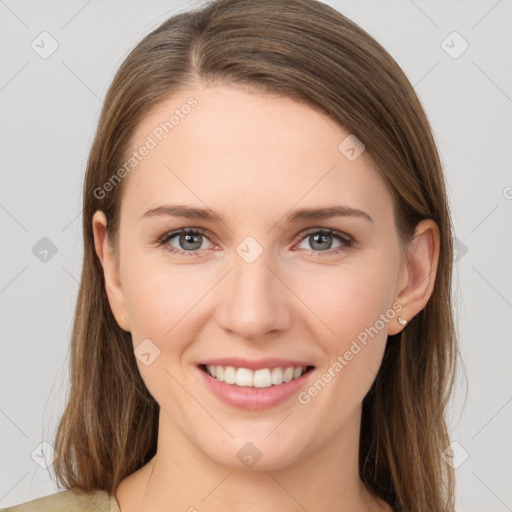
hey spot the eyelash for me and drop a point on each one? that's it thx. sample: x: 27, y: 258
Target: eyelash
x: 346, y: 240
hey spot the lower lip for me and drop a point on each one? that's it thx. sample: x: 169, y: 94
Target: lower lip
x: 254, y: 399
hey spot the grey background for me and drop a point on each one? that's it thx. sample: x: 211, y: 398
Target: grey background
x: 48, y: 112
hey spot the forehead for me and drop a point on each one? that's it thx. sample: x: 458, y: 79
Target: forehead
x: 224, y: 145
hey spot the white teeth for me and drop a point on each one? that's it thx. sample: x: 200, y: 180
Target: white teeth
x: 243, y: 377
x: 230, y: 375
x: 263, y: 378
x: 288, y: 374
x: 277, y: 376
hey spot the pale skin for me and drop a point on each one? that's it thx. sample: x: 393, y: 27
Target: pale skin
x: 253, y: 159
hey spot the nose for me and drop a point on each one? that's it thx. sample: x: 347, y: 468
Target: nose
x: 254, y: 303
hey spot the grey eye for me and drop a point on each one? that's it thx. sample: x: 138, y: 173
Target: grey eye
x: 320, y: 241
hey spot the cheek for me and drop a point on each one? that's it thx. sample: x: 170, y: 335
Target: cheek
x: 354, y: 308
x: 165, y: 303
x: 346, y: 301
x: 151, y: 304
x: 160, y: 303
x: 353, y: 357
x: 157, y: 294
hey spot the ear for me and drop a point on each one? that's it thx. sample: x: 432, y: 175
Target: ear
x: 418, y: 273
x: 109, y: 262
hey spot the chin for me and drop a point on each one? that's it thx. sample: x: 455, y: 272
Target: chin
x: 255, y: 453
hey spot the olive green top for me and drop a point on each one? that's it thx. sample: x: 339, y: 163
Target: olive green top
x: 69, y: 501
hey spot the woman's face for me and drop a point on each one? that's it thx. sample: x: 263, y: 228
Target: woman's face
x: 257, y: 285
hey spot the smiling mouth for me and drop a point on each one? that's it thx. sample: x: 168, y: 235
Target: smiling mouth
x: 262, y: 378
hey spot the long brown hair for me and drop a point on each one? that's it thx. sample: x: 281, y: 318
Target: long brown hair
x: 307, y: 51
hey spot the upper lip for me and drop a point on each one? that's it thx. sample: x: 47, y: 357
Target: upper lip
x: 255, y: 364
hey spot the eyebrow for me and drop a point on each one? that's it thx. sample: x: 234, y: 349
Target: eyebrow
x: 303, y: 214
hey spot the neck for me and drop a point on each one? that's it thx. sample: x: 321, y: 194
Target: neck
x: 181, y: 477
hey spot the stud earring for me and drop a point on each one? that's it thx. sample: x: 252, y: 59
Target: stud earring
x: 401, y: 321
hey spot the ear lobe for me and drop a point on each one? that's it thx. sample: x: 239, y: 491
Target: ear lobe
x: 421, y: 269
x: 110, y: 266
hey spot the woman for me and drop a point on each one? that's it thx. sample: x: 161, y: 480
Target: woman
x: 300, y: 353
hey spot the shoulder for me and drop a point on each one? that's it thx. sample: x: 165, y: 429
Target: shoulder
x: 72, y: 500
